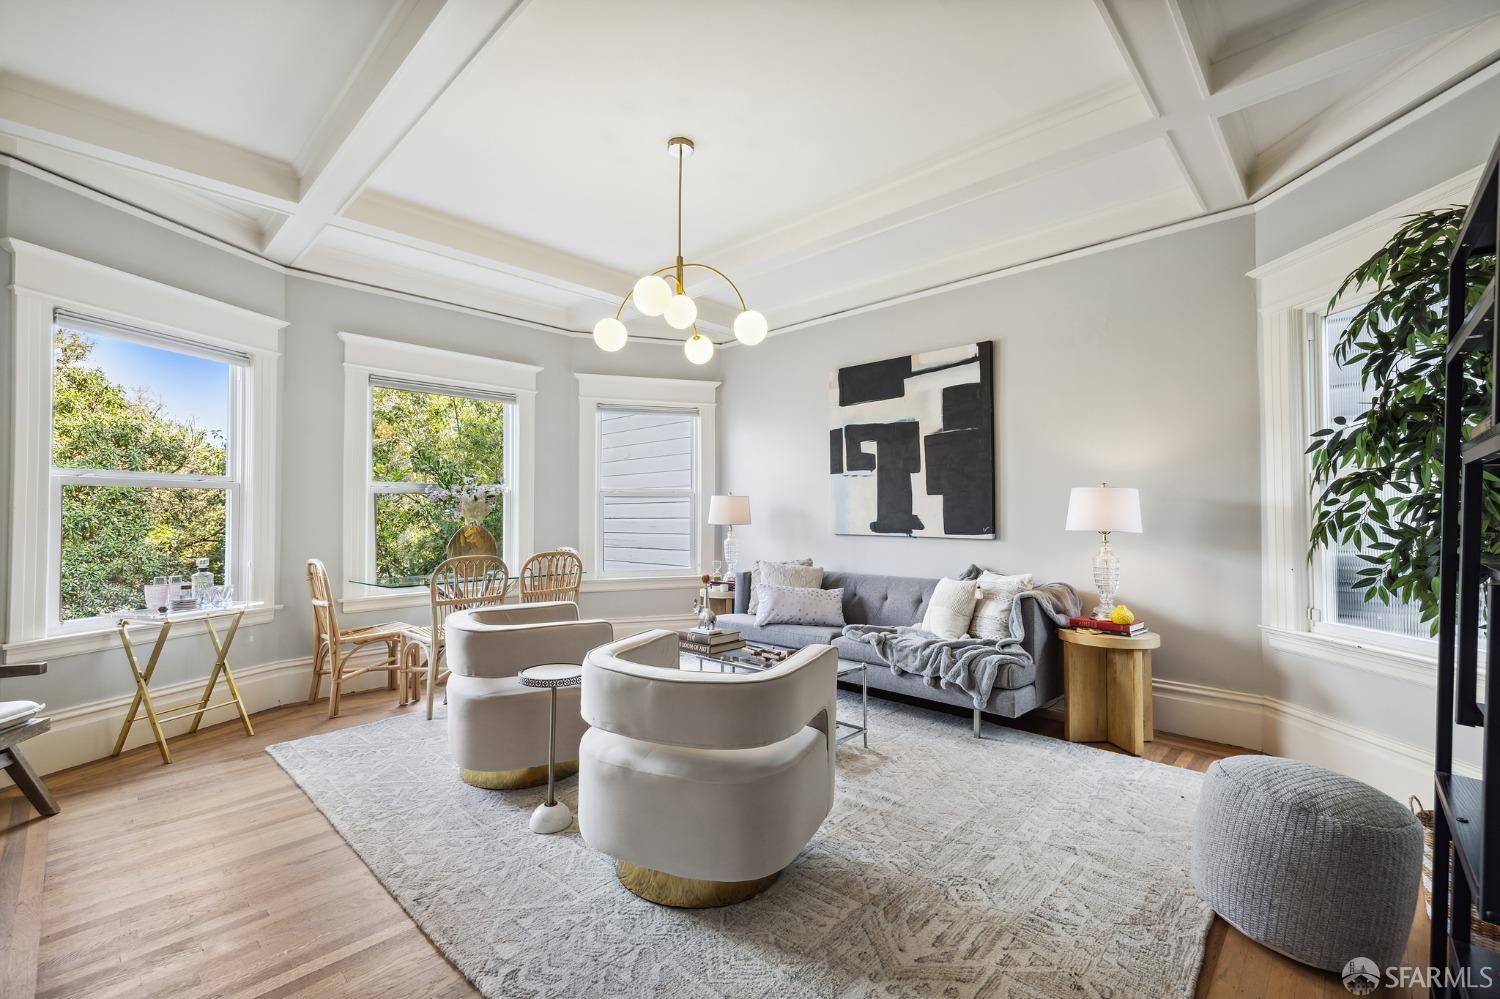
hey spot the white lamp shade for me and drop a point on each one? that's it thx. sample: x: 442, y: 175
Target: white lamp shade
x: 1104, y: 508
x: 732, y: 510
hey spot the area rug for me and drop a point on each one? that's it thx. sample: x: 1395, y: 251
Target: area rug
x: 1014, y: 866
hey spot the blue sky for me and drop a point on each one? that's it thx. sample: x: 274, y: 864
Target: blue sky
x: 192, y: 388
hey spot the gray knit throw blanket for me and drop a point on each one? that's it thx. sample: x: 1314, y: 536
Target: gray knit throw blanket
x: 970, y: 664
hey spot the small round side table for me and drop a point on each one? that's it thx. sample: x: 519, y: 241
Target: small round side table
x: 551, y: 816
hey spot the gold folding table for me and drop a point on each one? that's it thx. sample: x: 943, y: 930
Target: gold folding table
x: 196, y: 708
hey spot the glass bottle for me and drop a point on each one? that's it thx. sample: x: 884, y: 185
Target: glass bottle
x: 203, y: 584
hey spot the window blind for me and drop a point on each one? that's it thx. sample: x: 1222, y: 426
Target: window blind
x: 92, y: 326
x: 646, y: 459
x: 431, y: 388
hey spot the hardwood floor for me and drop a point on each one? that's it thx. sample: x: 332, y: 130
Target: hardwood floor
x: 216, y: 876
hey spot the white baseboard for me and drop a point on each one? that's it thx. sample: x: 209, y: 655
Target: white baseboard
x: 1282, y: 728
x: 87, y: 732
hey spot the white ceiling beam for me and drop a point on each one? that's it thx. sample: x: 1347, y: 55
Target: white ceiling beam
x: 425, y: 47
x: 1334, y: 44
x: 1445, y: 68
x: 601, y: 287
x: 1155, y: 42
x: 44, y: 114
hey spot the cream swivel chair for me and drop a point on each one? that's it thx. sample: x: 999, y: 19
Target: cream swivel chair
x: 497, y: 729
x: 703, y: 786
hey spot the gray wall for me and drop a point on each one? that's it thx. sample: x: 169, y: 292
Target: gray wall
x: 312, y: 415
x: 1136, y: 365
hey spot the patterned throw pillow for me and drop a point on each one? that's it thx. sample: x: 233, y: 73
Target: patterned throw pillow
x: 800, y: 605
x: 951, y: 607
x: 992, y: 603
x: 797, y: 574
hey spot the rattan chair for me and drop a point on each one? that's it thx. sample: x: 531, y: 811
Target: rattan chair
x: 555, y: 575
x: 457, y: 584
x: 341, y: 654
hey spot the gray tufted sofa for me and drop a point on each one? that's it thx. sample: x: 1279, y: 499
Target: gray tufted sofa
x: 902, y: 600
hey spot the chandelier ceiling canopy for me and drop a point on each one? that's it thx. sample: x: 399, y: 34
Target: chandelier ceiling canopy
x: 655, y: 295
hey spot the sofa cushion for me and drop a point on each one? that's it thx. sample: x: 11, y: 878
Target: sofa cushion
x: 890, y: 600
x: 788, y: 636
x: 1012, y: 676
x: 857, y: 652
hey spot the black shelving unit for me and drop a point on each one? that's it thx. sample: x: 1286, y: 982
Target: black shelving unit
x: 1466, y: 827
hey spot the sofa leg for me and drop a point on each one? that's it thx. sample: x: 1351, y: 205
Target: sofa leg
x: 976, y: 724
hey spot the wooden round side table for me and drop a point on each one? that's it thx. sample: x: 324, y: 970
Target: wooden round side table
x: 1107, y: 683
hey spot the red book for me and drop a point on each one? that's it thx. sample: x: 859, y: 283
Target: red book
x: 1109, y: 627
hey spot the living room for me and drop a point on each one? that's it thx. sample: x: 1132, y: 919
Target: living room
x: 569, y: 498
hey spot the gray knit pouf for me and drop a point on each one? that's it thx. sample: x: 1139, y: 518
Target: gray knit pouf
x: 1313, y: 864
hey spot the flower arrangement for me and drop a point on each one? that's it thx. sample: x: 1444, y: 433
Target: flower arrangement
x: 472, y: 499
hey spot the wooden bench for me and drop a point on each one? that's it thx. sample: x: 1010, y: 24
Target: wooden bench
x: 12, y: 761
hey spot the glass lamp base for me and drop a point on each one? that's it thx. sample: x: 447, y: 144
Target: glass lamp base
x: 1106, y: 579
x: 731, y: 554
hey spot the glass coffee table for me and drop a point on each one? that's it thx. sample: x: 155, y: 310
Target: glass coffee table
x: 741, y: 660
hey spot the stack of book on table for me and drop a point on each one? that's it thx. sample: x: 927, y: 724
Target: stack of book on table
x: 1109, y: 627
x: 714, y: 642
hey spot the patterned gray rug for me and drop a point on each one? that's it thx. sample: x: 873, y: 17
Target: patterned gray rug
x: 1016, y: 866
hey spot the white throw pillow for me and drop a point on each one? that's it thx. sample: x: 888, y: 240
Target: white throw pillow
x: 800, y: 605
x: 796, y: 574
x: 996, y: 594
x: 951, y: 607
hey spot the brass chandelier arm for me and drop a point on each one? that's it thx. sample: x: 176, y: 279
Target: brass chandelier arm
x: 680, y: 290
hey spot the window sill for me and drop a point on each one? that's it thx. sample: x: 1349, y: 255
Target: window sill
x: 100, y: 639
x: 1355, y: 655
x: 419, y: 597
x: 609, y: 583
x: 382, y: 600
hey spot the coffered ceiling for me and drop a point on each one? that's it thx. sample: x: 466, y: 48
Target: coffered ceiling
x: 510, y: 156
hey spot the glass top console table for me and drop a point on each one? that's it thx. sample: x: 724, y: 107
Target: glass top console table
x: 742, y: 660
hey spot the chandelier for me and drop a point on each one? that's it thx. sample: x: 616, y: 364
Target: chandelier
x: 654, y: 296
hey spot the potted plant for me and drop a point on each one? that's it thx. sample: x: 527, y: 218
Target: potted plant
x: 1398, y: 339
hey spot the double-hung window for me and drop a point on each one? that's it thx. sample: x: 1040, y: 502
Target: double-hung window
x: 420, y: 422
x: 1337, y: 391
x: 647, y: 465
x: 647, y: 475
x: 146, y: 466
x: 423, y: 438
x: 144, y: 438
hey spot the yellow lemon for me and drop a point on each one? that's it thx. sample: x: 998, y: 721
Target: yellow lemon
x: 1122, y: 615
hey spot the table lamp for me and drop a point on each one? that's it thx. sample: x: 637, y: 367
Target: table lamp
x: 1105, y: 509
x: 728, y: 511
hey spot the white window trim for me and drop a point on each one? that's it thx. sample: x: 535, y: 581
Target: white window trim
x: 633, y: 390
x: 45, y: 280
x: 367, y: 356
x: 1290, y: 291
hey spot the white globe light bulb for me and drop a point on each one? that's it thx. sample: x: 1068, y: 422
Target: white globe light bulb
x: 681, y: 312
x: 699, y: 349
x: 610, y: 334
x: 651, y: 295
x: 750, y: 327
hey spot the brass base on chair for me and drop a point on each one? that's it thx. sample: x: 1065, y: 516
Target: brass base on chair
x: 688, y: 893
x: 510, y: 780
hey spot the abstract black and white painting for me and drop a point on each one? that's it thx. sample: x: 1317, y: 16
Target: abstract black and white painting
x: 912, y: 446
